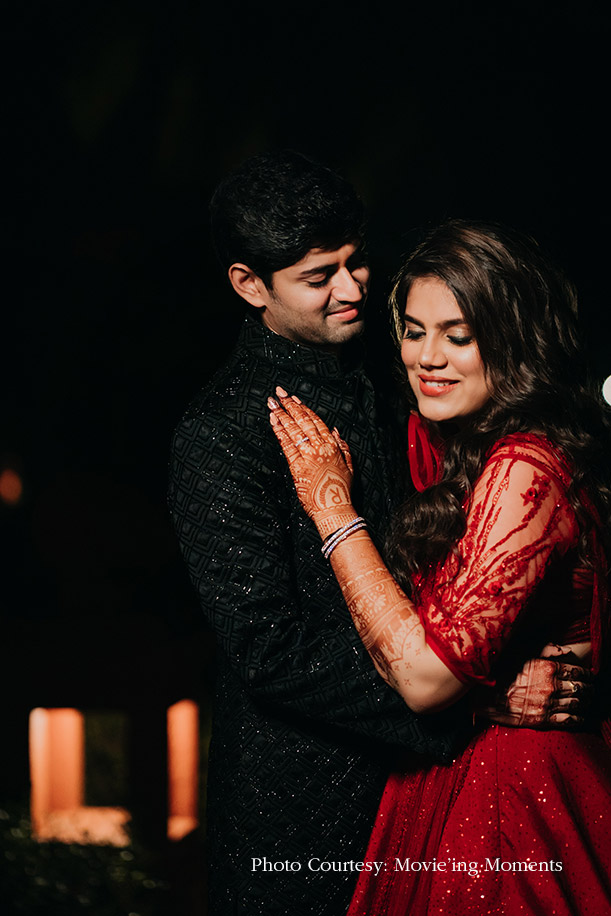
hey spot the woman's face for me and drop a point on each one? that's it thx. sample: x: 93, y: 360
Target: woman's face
x: 440, y: 354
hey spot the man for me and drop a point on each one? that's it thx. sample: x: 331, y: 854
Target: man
x: 304, y: 729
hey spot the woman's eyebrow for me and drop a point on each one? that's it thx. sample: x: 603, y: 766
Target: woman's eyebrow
x: 442, y: 325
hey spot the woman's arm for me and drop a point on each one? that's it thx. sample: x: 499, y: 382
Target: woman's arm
x: 385, y: 618
x: 432, y: 657
x: 389, y: 625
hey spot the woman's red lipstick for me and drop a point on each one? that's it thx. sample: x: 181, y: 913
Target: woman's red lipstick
x: 434, y: 386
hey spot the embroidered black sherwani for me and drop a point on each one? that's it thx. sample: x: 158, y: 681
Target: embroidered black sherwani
x: 302, y: 722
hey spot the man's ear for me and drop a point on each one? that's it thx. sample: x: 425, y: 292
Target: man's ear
x: 248, y: 285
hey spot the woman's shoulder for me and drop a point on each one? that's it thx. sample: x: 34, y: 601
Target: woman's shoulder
x: 534, y: 449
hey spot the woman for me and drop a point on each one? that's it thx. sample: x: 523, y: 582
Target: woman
x: 499, y: 552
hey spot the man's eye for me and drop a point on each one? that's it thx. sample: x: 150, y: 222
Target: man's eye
x: 316, y: 284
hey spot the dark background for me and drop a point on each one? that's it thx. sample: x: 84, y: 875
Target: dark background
x: 122, y: 116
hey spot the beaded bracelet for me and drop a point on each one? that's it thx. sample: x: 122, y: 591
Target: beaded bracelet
x: 331, y: 542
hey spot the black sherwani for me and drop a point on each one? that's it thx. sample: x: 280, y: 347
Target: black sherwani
x: 302, y: 723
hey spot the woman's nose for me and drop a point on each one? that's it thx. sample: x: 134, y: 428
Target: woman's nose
x: 432, y: 353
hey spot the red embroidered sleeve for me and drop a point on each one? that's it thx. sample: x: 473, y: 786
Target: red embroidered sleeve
x: 518, y: 522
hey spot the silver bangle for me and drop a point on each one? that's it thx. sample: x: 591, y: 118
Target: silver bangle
x: 331, y: 542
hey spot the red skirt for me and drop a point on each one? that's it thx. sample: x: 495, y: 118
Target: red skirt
x: 520, y: 823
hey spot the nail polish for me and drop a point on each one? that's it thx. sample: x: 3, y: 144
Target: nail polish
x: 281, y: 392
x: 272, y: 403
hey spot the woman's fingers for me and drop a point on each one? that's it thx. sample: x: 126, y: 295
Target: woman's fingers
x: 287, y: 444
x: 292, y: 428
x: 553, y: 650
x: 310, y: 422
x: 306, y: 430
x: 572, y: 683
x: 293, y: 432
x: 293, y: 420
x: 566, y: 719
x: 321, y: 426
x: 344, y: 449
x: 564, y: 704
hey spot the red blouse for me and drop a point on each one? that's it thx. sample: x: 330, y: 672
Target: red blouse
x: 520, y: 524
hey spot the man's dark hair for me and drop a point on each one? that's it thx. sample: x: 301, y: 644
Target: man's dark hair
x: 276, y: 207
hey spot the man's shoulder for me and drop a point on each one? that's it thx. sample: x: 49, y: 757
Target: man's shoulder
x: 235, y: 395
x: 229, y: 417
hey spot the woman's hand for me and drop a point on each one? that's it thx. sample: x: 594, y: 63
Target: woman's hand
x: 319, y: 461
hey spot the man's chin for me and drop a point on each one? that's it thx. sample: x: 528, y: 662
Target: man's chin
x: 336, y: 338
x: 351, y: 329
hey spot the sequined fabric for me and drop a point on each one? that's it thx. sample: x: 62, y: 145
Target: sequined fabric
x: 302, y: 723
x: 519, y: 822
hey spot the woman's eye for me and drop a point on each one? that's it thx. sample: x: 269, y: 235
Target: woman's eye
x: 461, y: 341
x: 411, y: 334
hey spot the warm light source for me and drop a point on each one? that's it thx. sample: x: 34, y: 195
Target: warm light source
x: 11, y: 486
x: 57, y: 773
x: 607, y: 389
x: 183, y: 768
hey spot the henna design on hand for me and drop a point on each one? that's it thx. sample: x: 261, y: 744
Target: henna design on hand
x: 319, y: 462
x: 544, y: 693
x: 386, y: 621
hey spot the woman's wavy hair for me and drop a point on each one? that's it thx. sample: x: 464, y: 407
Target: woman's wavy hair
x: 522, y: 311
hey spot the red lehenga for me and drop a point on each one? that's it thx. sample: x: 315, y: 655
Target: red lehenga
x: 520, y: 821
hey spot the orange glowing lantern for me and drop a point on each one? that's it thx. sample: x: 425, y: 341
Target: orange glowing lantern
x: 11, y: 487
x: 57, y: 773
x: 183, y: 768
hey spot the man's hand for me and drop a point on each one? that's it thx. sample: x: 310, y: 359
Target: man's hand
x: 545, y: 694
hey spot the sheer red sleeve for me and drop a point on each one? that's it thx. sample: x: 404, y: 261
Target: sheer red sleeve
x: 519, y: 521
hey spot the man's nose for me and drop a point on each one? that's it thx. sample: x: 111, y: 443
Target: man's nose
x: 346, y: 288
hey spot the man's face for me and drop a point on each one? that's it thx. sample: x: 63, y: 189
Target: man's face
x: 320, y: 300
